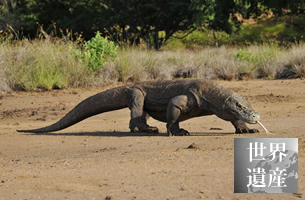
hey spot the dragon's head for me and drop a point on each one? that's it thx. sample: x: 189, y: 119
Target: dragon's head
x: 241, y: 109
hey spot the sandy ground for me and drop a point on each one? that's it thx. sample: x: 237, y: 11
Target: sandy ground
x: 99, y: 159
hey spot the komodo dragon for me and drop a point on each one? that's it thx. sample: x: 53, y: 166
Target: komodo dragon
x: 167, y: 101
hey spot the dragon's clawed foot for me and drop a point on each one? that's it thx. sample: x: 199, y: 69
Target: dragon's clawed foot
x: 179, y: 132
x: 246, y: 130
x: 147, y: 129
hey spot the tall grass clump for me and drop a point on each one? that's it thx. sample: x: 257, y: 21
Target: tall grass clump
x: 50, y: 63
x: 256, y: 61
x: 134, y: 64
x: 29, y: 65
x: 138, y: 65
x: 226, y: 63
x: 291, y: 63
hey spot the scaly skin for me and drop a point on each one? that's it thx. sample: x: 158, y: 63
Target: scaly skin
x: 166, y: 101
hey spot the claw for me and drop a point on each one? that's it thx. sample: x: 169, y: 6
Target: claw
x: 149, y: 129
x: 245, y: 130
x: 181, y: 132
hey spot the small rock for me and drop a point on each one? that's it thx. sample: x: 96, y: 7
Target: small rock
x: 193, y: 146
x: 108, y: 198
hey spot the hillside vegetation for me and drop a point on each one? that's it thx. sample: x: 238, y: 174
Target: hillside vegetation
x: 284, y: 31
x: 42, y: 64
x: 271, y: 49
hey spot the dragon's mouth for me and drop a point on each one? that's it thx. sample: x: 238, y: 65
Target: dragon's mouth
x: 251, y: 122
x: 251, y: 118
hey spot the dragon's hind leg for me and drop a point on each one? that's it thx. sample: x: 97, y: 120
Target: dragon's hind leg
x: 174, y: 111
x: 138, y: 121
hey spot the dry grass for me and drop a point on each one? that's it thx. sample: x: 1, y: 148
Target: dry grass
x: 292, y: 63
x: 44, y: 64
x: 138, y: 65
x: 4, y: 87
x: 226, y: 63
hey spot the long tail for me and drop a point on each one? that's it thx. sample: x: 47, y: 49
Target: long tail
x: 112, y: 99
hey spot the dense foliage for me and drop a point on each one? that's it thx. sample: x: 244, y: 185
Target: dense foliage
x: 132, y: 21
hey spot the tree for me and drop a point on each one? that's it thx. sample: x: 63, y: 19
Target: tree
x: 222, y: 11
x: 278, y: 7
x: 79, y: 16
x: 8, y: 13
x: 155, y: 21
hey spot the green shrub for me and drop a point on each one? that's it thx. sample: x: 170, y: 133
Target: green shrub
x: 98, y: 51
x: 243, y: 55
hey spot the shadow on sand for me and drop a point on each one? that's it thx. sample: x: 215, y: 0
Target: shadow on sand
x: 129, y: 134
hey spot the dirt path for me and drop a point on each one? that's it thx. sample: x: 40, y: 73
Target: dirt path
x: 99, y: 158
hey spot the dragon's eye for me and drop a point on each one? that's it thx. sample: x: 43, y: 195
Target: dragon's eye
x: 239, y: 106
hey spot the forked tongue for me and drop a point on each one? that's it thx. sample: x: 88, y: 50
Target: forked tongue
x: 267, y: 132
